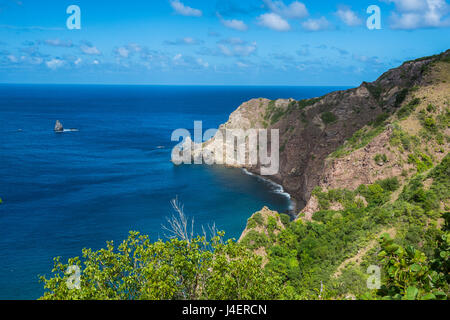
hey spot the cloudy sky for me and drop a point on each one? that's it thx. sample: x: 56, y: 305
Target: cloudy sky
x: 216, y: 42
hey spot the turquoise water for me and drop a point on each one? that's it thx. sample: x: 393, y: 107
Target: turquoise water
x: 64, y: 192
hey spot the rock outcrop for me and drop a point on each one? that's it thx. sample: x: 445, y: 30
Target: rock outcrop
x: 58, y: 126
x: 262, y: 227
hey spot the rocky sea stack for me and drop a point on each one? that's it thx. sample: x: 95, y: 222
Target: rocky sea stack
x: 58, y: 126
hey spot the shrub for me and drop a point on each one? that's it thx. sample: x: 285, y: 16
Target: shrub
x: 380, y: 119
x: 431, y: 108
x: 401, y: 96
x: 430, y: 124
x: 258, y: 218
x: 375, y: 91
x: 380, y: 158
x: 251, y: 223
x: 328, y: 117
x: 374, y: 194
x: 408, y: 109
x: 389, y: 184
x: 402, y: 139
x: 422, y: 161
x: 285, y: 219
x: 255, y: 240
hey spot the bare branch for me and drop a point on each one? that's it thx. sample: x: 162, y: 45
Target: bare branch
x: 178, y: 225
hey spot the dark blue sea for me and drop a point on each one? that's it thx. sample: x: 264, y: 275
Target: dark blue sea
x: 64, y: 192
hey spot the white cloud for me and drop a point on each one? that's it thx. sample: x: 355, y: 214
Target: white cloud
x: 189, y: 62
x: 184, y: 10
x: 304, y: 51
x: 234, y: 24
x: 242, y: 65
x: 12, y: 58
x: 177, y: 57
x: 123, y: 52
x: 233, y: 47
x: 54, y: 63
x: 409, y: 5
x: 189, y: 40
x: 202, y: 63
x: 295, y: 10
x: 88, y: 49
x: 232, y: 41
x: 184, y: 41
x: 58, y: 43
x: 349, y: 17
x: 366, y: 59
x: 127, y: 51
x: 239, y: 50
x: 274, y: 22
x: 415, y: 14
x: 316, y: 24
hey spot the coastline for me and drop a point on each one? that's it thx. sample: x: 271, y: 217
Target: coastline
x: 293, y: 203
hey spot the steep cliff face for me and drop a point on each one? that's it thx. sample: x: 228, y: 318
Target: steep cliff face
x: 311, y: 130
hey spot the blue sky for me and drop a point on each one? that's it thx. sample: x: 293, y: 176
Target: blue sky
x: 215, y: 42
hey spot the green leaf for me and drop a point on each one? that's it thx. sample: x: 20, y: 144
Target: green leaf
x: 411, y: 293
x: 411, y: 251
x: 397, y: 297
x: 440, y: 295
x: 415, y: 267
x: 392, y: 248
x: 429, y: 296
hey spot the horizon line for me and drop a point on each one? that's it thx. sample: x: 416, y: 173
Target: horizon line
x: 172, y: 85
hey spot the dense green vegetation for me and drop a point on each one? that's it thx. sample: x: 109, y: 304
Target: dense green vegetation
x: 410, y: 275
x: 308, y: 253
x: 140, y: 269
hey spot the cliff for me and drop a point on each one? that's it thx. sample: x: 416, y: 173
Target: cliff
x: 312, y: 129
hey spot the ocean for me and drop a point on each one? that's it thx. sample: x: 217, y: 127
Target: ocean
x: 66, y: 191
